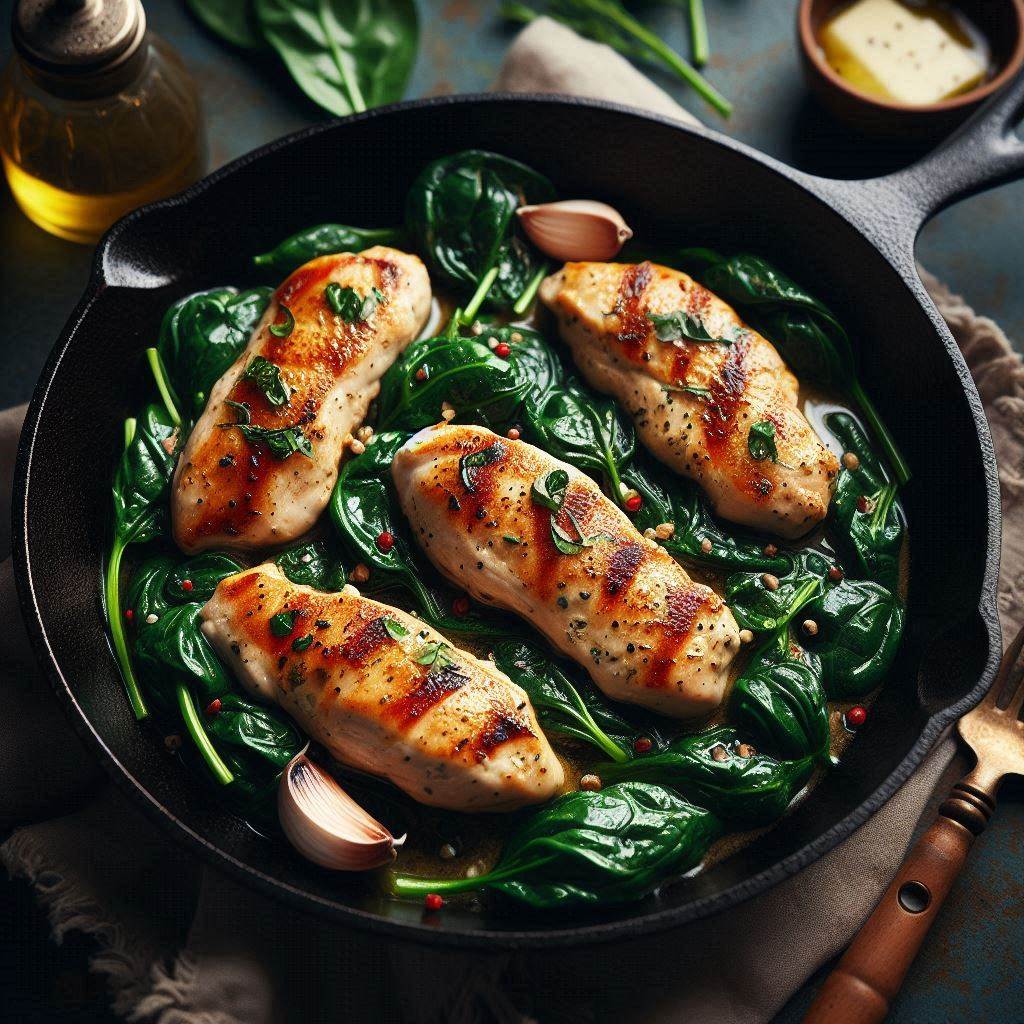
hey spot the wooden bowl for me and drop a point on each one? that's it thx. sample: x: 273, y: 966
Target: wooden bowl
x: 1000, y: 21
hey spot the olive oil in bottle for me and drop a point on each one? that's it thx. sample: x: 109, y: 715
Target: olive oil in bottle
x: 97, y: 115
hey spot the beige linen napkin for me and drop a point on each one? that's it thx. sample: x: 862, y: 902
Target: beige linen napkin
x: 248, y: 961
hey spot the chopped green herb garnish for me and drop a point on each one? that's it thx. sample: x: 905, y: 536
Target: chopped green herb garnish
x: 350, y: 305
x: 301, y: 643
x: 509, y: 539
x: 267, y: 377
x: 468, y: 464
x: 284, y: 327
x: 680, y: 326
x: 395, y: 629
x: 761, y: 441
x: 283, y: 623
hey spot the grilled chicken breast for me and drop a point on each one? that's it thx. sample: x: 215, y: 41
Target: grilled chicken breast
x: 616, y: 603
x: 237, y: 492
x: 454, y: 733
x: 737, y: 384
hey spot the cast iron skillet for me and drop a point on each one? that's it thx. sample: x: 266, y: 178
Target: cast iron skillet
x: 850, y: 242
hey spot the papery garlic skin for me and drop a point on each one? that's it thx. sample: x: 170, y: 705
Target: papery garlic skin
x: 326, y: 825
x: 575, y: 229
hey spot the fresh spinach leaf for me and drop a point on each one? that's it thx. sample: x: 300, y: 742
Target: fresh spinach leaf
x: 600, y: 848
x: 203, y: 334
x: 267, y: 377
x: 859, y: 628
x: 345, y: 55
x: 324, y: 240
x: 866, y: 517
x: 233, y: 20
x: 460, y: 212
x: 609, y: 22
x: 745, y: 787
x: 548, y: 490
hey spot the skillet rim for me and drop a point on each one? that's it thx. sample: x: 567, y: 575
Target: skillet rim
x: 588, y: 934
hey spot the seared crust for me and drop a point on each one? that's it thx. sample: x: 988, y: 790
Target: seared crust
x: 622, y: 608
x: 457, y: 734
x: 602, y: 309
x: 229, y: 492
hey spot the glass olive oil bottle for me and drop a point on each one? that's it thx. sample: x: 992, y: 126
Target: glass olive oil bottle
x: 97, y: 115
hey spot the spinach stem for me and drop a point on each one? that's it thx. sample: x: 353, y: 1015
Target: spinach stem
x: 156, y: 365
x: 698, y: 33
x: 112, y: 600
x: 474, y: 304
x: 407, y: 885
x: 522, y: 304
x: 625, y: 21
x: 428, y: 603
x: 899, y: 465
x: 195, y: 729
x: 600, y: 737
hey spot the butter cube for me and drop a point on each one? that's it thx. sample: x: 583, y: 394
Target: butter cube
x: 886, y: 49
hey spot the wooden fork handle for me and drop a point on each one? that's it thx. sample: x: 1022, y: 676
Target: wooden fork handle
x: 872, y: 970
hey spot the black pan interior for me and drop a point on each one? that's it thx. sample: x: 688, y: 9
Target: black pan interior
x: 675, y: 183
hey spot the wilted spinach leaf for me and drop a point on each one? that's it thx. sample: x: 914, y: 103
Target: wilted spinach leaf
x: 202, y: 335
x: 314, y: 564
x: 779, y: 698
x: 174, y: 648
x: 460, y: 212
x: 562, y: 707
x: 324, y: 240
x: 587, y: 431
x: 671, y: 499
x: 263, y: 731
x: 859, y: 628
x: 599, y: 848
x: 866, y: 516
x: 709, y: 767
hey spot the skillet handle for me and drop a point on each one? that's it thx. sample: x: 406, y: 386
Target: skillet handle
x: 984, y: 152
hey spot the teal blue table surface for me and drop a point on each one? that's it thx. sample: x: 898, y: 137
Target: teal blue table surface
x: 971, y: 967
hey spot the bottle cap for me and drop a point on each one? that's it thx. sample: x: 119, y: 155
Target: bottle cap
x: 78, y: 38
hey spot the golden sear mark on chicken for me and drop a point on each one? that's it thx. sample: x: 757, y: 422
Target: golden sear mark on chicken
x: 603, y: 312
x: 230, y: 492
x: 621, y: 607
x: 456, y: 733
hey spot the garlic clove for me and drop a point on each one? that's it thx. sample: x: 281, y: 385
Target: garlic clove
x: 575, y: 229
x: 326, y: 825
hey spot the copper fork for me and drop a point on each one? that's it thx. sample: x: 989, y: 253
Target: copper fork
x: 864, y: 982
